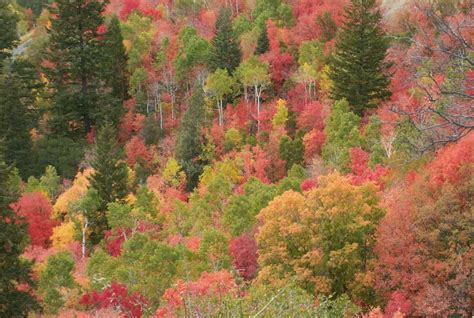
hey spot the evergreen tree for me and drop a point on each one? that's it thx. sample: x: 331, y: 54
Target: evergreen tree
x: 358, y: 66
x: 13, y: 238
x: 18, y: 88
x: 8, y: 36
x: 74, y: 75
x: 110, y: 178
x: 225, y: 49
x: 115, y: 61
x: 263, y: 43
x: 189, y: 143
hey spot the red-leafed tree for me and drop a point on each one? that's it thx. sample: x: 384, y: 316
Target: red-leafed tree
x: 36, y: 209
x: 361, y: 172
x: 138, y: 152
x: 423, y: 243
x: 313, y: 141
x: 201, y: 298
x: 243, y: 250
x: 117, y: 296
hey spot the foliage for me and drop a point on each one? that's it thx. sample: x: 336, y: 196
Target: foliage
x: 225, y: 50
x: 8, y: 23
x: 188, y: 146
x: 342, y: 133
x: 116, y: 296
x: 324, y: 238
x: 15, y: 270
x: 36, y: 210
x: 19, y: 88
x: 110, y: 177
x: 54, y: 281
x: 75, y: 77
x: 358, y: 67
x: 60, y: 152
x: 48, y: 183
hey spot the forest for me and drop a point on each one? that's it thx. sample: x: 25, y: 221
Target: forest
x: 236, y: 158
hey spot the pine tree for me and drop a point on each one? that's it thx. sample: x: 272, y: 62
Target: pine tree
x: 263, y: 43
x: 358, y: 67
x: 189, y: 143
x: 8, y: 35
x: 115, y: 60
x: 225, y: 49
x: 110, y: 178
x: 74, y: 73
x: 14, y: 269
x: 18, y: 88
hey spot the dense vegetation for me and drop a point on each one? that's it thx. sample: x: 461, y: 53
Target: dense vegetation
x: 211, y: 158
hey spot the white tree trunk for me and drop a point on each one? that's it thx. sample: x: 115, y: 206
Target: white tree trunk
x: 84, y: 233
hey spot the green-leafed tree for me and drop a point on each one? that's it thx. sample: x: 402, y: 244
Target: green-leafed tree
x: 253, y: 73
x: 225, y: 48
x: 263, y: 43
x: 342, y: 133
x: 220, y: 84
x: 359, y: 70
x: 193, y: 55
x: 8, y: 36
x: 189, y: 144
x: 110, y: 177
x: 291, y: 150
x: 55, y: 280
x: 115, y: 61
x: 18, y: 91
x: 13, y: 239
x: 73, y: 71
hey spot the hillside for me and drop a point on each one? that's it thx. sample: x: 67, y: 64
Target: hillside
x: 236, y: 158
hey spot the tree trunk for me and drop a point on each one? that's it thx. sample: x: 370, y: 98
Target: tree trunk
x: 84, y: 233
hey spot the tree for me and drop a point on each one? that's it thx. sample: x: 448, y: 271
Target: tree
x: 189, y: 143
x: 292, y: 151
x: 48, y: 183
x: 18, y: 91
x: 36, y: 210
x: 9, y: 36
x: 192, y: 56
x: 342, y: 133
x: 225, y: 48
x: 115, y: 61
x: 358, y: 66
x: 55, y: 280
x: 263, y: 43
x: 220, y: 84
x: 439, y: 68
x: 74, y: 76
x: 324, y: 238
x: 110, y: 177
x: 15, y: 270
x: 254, y: 73
x: 118, y: 297
x: 243, y: 250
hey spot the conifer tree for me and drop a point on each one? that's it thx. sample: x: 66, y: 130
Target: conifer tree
x: 13, y: 238
x: 73, y: 74
x: 18, y: 88
x: 358, y: 66
x: 115, y: 60
x: 110, y: 178
x: 263, y: 43
x: 8, y: 35
x: 225, y: 49
x: 189, y: 143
